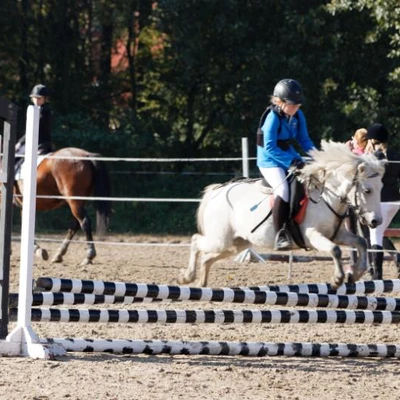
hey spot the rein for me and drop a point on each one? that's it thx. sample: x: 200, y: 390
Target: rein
x: 355, y: 206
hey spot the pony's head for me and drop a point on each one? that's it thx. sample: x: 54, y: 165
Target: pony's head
x: 354, y: 179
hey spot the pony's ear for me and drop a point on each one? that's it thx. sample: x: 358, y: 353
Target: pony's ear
x: 361, y: 168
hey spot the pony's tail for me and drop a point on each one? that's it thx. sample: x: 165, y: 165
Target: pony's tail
x: 203, y: 203
x: 102, y: 188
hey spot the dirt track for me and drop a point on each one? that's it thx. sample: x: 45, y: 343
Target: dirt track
x: 107, y: 376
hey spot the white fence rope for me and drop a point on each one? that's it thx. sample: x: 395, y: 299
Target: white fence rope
x: 102, y: 242
x: 128, y: 159
x: 244, y: 159
x: 147, y: 199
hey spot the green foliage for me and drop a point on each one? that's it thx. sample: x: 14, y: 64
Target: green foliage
x: 172, y: 78
x: 77, y: 130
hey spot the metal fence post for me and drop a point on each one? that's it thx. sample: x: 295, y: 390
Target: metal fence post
x: 245, y: 157
x: 8, y: 113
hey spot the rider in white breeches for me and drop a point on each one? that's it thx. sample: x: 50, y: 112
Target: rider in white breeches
x: 284, y: 124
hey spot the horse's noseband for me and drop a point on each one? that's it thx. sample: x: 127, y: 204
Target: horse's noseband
x: 356, y: 208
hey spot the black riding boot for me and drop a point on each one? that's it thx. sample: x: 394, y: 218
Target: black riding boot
x: 377, y: 257
x: 364, y: 232
x: 351, y: 224
x: 280, y: 214
x: 393, y: 253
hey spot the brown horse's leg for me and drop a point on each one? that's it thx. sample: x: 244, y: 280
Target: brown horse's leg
x: 79, y: 212
x: 41, y: 253
x: 64, y: 246
x: 86, y: 226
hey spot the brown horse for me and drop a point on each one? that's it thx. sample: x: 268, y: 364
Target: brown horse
x: 69, y: 177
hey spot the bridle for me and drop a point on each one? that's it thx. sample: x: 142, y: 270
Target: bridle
x: 357, y: 209
x: 353, y: 205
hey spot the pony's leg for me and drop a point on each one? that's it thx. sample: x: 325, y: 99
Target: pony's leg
x: 360, y: 244
x: 321, y: 243
x: 209, y: 259
x: 199, y: 245
x: 188, y: 275
x: 58, y: 257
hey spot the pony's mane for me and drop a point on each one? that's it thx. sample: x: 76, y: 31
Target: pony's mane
x: 336, y: 158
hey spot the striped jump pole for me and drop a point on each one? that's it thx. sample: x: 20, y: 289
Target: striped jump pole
x: 357, y: 288
x: 57, y: 299
x: 212, y: 316
x: 255, y: 349
x: 205, y: 294
x: 249, y: 297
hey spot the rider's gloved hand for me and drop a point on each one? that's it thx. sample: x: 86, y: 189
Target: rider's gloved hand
x: 297, y: 164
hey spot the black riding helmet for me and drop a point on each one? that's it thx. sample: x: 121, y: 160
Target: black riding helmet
x: 378, y: 132
x: 289, y: 91
x: 39, y: 91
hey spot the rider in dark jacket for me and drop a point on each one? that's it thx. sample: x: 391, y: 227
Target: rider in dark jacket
x: 39, y: 97
x: 378, y: 137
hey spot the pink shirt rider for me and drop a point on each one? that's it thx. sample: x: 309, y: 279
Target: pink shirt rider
x: 358, y: 142
x: 354, y: 147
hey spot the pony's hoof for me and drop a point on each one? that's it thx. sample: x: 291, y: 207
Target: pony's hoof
x: 86, y: 261
x: 42, y: 254
x: 336, y: 282
x: 183, y: 279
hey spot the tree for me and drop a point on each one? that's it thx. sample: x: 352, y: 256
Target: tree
x: 383, y: 34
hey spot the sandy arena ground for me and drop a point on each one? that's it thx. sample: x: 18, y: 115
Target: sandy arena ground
x: 107, y: 376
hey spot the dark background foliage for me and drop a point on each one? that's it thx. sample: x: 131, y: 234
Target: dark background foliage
x: 189, y: 79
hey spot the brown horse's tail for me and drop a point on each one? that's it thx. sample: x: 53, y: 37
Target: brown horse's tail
x: 102, y: 188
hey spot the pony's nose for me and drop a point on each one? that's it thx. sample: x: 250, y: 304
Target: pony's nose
x: 375, y: 222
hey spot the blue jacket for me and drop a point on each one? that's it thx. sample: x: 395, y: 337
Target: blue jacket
x: 271, y: 155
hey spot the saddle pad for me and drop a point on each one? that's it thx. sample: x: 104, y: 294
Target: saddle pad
x: 21, y: 171
x: 301, y: 213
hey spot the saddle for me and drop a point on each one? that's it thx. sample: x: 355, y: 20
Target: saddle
x: 19, y: 169
x: 298, y: 206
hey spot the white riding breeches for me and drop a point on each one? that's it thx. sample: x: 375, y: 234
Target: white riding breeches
x: 388, y: 210
x: 276, y: 178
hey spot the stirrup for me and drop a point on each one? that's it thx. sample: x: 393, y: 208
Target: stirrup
x: 283, y: 240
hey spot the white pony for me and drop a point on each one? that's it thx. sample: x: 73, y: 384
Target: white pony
x: 335, y: 179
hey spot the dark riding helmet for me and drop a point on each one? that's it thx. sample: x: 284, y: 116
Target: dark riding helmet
x: 378, y: 132
x: 289, y: 91
x: 39, y: 91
